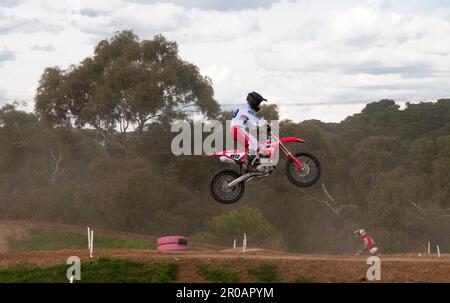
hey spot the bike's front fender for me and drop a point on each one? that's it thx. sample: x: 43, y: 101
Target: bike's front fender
x: 292, y: 139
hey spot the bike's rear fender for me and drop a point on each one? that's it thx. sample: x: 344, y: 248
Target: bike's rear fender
x: 226, y: 153
x: 238, y: 156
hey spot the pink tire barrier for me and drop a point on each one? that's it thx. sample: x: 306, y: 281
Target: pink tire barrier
x: 172, y: 247
x: 172, y: 243
x: 171, y: 240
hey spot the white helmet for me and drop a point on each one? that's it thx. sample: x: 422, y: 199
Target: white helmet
x: 360, y: 232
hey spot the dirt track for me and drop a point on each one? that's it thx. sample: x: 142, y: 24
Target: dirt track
x: 291, y: 267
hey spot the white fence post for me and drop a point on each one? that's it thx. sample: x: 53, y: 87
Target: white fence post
x: 89, y: 238
x: 92, y: 244
x: 438, y: 251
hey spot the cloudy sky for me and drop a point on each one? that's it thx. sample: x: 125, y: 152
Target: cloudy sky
x: 315, y: 58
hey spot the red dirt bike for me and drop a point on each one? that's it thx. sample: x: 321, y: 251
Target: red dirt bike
x: 228, y: 186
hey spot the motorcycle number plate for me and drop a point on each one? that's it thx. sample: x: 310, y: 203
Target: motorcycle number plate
x: 236, y: 157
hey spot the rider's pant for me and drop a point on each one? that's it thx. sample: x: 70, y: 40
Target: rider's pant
x: 242, y: 136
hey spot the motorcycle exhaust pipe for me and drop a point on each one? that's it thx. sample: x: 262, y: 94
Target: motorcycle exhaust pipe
x: 241, y: 179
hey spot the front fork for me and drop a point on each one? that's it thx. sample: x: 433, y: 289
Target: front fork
x: 292, y: 157
x: 288, y: 154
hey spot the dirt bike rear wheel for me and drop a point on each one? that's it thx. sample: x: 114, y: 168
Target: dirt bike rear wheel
x: 224, y: 195
x: 311, y: 170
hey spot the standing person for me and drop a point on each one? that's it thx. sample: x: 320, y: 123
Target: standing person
x: 368, y: 242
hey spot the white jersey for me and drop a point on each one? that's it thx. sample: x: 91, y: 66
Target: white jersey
x: 242, y: 112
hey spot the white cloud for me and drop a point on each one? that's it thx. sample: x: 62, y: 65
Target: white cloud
x: 214, y: 27
x: 6, y: 55
x: 2, y: 98
x: 34, y: 17
x: 10, y: 3
x: 363, y: 52
x: 144, y: 19
x: 44, y: 48
x: 219, y: 5
x: 325, y: 113
x: 183, y: 24
x: 291, y: 51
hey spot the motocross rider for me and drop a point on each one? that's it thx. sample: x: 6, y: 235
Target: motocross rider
x: 368, y: 242
x: 244, y: 118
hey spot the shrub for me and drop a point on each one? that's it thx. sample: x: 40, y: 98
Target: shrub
x: 224, y: 228
x: 219, y: 275
x: 165, y: 272
x: 265, y: 273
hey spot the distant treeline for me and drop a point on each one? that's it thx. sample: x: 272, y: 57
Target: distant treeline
x: 96, y: 151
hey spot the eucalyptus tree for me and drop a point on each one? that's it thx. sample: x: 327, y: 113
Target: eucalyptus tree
x: 124, y: 87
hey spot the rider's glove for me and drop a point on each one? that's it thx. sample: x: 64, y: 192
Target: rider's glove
x: 262, y: 122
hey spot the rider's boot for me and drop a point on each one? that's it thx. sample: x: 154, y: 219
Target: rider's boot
x: 264, y: 155
x: 250, y: 161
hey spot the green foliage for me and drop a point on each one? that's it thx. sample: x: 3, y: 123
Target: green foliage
x: 269, y: 112
x: 219, y: 275
x: 265, y: 273
x: 165, y: 272
x: 55, y: 274
x: 387, y: 174
x: 225, y: 228
x: 102, y: 270
x: 53, y: 240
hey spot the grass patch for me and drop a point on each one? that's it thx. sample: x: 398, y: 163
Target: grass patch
x: 219, y: 275
x: 265, y: 273
x: 165, y: 272
x: 53, y: 240
x: 102, y: 270
x: 305, y: 280
x: 33, y: 274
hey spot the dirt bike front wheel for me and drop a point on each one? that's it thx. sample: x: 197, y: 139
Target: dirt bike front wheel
x: 219, y: 190
x: 310, y: 173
